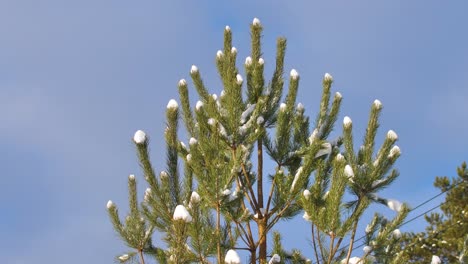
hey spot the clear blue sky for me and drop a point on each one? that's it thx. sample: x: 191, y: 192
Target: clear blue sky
x: 77, y: 78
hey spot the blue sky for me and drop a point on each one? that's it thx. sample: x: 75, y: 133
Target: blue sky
x: 77, y: 78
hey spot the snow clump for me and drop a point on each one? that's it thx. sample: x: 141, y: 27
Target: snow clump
x: 232, y: 257
x: 181, y: 213
x: 139, y: 137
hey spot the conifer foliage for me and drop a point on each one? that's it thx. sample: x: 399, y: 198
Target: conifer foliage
x: 216, y: 197
x: 446, y: 236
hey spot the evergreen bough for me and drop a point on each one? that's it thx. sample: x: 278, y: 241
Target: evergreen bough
x: 225, y: 199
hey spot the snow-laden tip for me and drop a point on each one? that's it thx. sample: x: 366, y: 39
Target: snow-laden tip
x: 131, y: 177
x: 232, y: 257
x: 233, y: 50
x: 256, y: 22
x: 338, y: 95
x: 306, y: 194
x: 367, y: 249
x: 348, y: 171
x: 306, y: 217
x: 377, y: 104
x: 214, y: 96
x: 219, y: 54
x: 227, y: 28
x: 189, y: 157
x: 248, y: 61
x: 124, y: 257
x: 396, y: 233
x: 392, y: 135
x: 198, y: 105
x: 347, y: 122
x: 182, y: 82
x: 239, y: 79
x: 226, y: 192
x: 193, y: 69
x: 172, y: 104
x: 275, y: 259
x: 282, y: 106
x: 294, y: 74
x: 300, y: 107
x: 193, y: 141
x: 353, y: 260
x: 260, y: 120
x: 435, y: 260
x: 395, y: 151
x: 163, y: 175
x: 181, y: 213
x: 339, y: 157
x: 194, y: 198
x: 261, y: 61
x: 139, y: 137
x: 327, y: 77
x: 394, y: 205
x: 110, y: 204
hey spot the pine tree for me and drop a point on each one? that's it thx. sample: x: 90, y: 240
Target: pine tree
x: 447, y: 233
x: 225, y: 199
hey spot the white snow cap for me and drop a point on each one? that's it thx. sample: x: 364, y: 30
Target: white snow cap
x: 306, y: 194
x: 219, y: 54
x: 394, y: 205
x: 396, y: 233
x: 260, y: 120
x: 239, y: 79
x: 347, y: 122
x: 193, y: 141
x: 256, y: 22
x: 233, y: 50
x: 348, y: 171
x: 110, y: 204
x: 394, y: 151
x: 294, y: 74
x: 339, y: 157
x: 353, y: 260
x: 214, y: 96
x: 306, y: 217
x: 368, y: 229
x: 392, y: 135
x: 195, y: 197
x: 193, y: 69
x: 139, y: 137
x: 300, y: 107
x: 327, y: 77
x: 227, y: 28
x: 163, y: 174
x: 131, y: 177
x: 248, y: 61
x: 282, y: 106
x: 172, y: 104
x: 367, y: 249
x: 226, y: 192
x: 338, y: 95
x: 275, y: 259
x: 261, y: 61
x: 232, y: 257
x: 435, y: 260
x: 211, y: 121
x: 199, y: 105
x: 189, y: 157
x: 377, y: 104
x: 182, y: 82
x: 181, y: 213
x: 124, y: 257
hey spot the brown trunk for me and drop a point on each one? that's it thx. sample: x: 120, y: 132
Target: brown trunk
x: 262, y: 234
x: 253, y: 256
